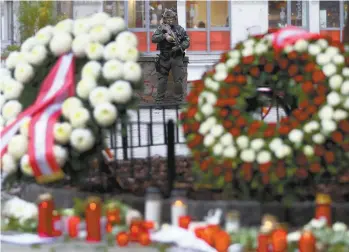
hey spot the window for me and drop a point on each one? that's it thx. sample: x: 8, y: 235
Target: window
x: 208, y: 25
x: 332, y: 15
x: 114, y: 8
x: 283, y: 13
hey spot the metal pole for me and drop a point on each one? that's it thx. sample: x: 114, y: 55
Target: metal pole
x: 123, y: 117
x: 171, y: 165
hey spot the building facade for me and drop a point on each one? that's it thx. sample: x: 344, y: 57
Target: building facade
x: 214, y: 26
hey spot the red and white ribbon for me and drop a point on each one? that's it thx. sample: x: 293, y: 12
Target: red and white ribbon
x: 57, y: 86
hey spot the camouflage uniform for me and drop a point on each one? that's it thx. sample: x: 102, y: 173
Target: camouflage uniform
x: 171, y: 56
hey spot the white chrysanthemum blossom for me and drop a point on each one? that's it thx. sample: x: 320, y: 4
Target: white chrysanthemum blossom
x: 121, y: 92
x: 328, y: 126
x: 100, y: 34
x: 261, y: 48
x: 336, y: 81
x: 82, y: 140
x: 10, y: 121
x: 294, y: 237
x: 263, y: 157
x: 296, y: 136
x: 227, y: 139
x: 12, y: 89
x: 338, y: 59
x: 115, y: 25
x: 62, y: 132
x: 81, y: 26
x: 322, y: 43
x: 8, y: 163
x: 339, y: 227
x: 318, y: 138
x: 289, y: 48
x: 127, y: 38
x: 4, y: 72
x: 37, y: 55
x: 11, y: 109
x: 311, y: 126
x: 18, y: 146
x: 340, y: 114
x: 28, y: 44
x: 220, y: 67
x: 275, y: 144
x: 314, y: 49
x: 220, y: 76
x: 111, y: 51
x: 99, y: 18
x: 345, y: 71
x: 247, y: 52
x: 318, y: 223
x: 207, y: 97
x: 326, y: 112
x: 99, y: 95
x: 61, y: 155
x: 207, y: 109
x: 24, y: 72
x: 44, y: 35
x: 65, y: 26
x: 70, y: 104
x: 329, y: 69
x: 92, y: 69
x: 112, y: 70
x: 128, y: 53
x: 61, y: 43
x: 211, y: 84
x: 204, y: 128
x: 24, y: 129
x: 232, y: 62
x: 209, y: 140
x: 301, y: 45
x: 257, y: 144
x: 249, y: 43
x: 346, y: 103
x: 248, y: 155
x: 283, y: 151
x: 234, y: 54
x: 84, y: 87
x: 242, y: 142
x: 308, y: 150
x: 332, y: 51
x: 132, y: 72
x: 217, y: 130
x: 218, y: 149
x: 26, y: 168
x: 333, y: 99
x: 79, y: 117
x: 105, y: 114
x: 94, y: 50
x: 323, y: 59
x: 79, y: 45
x: 230, y: 152
x: 345, y: 88
x: 2, y: 100
x: 15, y: 58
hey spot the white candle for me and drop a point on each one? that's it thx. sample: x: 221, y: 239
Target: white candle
x: 153, y: 211
x: 178, y: 209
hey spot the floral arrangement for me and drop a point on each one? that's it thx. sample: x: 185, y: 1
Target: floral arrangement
x: 107, y: 75
x: 229, y: 144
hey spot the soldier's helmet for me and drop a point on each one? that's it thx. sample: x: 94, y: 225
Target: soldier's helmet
x: 169, y: 16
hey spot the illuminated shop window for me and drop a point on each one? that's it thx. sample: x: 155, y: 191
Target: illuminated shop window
x: 208, y: 25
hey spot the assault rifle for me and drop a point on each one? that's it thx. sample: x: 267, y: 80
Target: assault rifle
x: 177, y: 42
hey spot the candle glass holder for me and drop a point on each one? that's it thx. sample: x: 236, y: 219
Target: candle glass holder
x: 279, y: 240
x: 232, y: 221
x: 184, y: 221
x: 323, y: 207
x: 179, y: 206
x: 307, y: 242
x: 93, y: 215
x: 73, y: 226
x: 153, y: 204
x: 45, y: 215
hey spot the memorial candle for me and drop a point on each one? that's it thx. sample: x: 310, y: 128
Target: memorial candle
x: 73, y: 226
x: 307, y: 242
x: 263, y: 242
x: 323, y: 207
x: 57, y: 223
x: 279, y: 240
x: 93, y: 217
x: 45, y: 215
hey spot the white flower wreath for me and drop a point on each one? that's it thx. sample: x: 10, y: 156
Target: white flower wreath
x: 112, y: 56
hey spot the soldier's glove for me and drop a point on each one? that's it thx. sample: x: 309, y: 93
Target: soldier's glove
x: 176, y: 48
x: 169, y: 38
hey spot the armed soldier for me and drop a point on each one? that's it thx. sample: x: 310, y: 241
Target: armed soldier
x: 171, y: 40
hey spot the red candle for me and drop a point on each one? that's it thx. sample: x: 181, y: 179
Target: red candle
x: 307, y: 242
x: 45, y: 215
x: 323, y: 207
x: 113, y: 218
x: 93, y: 217
x: 279, y: 240
x: 263, y: 242
x: 73, y: 226
x: 184, y: 221
x: 57, y: 223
